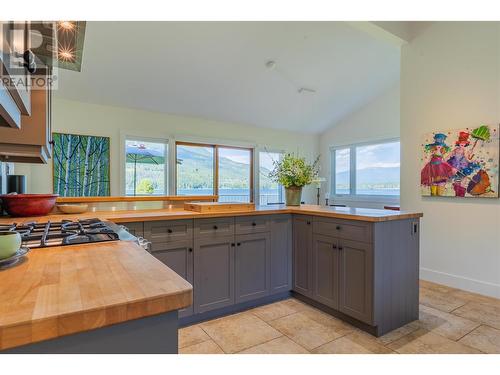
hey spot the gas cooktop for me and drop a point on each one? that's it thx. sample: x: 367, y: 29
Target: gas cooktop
x: 66, y: 232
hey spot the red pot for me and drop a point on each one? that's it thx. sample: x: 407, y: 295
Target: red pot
x: 28, y: 204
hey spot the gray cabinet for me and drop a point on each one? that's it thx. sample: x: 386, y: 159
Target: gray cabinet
x: 302, y: 255
x: 179, y: 257
x: 326, y: 270
x: 281, y: 254
x: 356, y: 280
x: 252, y: 266
x: 135, y: 228
x: 214, y: 273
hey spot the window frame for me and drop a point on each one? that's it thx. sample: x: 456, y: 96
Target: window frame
x: 216, y: 148
x: 352, y: 196
x: 257, y: 186
x: 166, y: 142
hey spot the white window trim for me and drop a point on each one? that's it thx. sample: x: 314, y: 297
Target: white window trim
x: 257, y: 152
x: 126, y: 137
x: 353, y: 197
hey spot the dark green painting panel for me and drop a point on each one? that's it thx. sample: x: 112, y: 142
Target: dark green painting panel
x: 81, y: 165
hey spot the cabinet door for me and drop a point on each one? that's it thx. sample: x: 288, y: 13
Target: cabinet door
x: 15, y: 39
x: 178, y: 257
x: 252, y: 266
x: 356, y: 280
x: 214, y: 273
x: 326, y: 270
x: 281, y: 254
x: 302, y: 255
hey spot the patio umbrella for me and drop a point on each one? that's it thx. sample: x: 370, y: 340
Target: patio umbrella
x: 140, y: 153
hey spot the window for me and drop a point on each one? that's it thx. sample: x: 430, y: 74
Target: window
x: 235, y: 168
x: 145, y: 167
x: 367, y: 170
x: 195, y: 169
x: 270, y: 192
x: 215, y: 170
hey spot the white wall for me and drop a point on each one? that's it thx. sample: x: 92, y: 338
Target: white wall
x: 115, y: 122
x: 450, y: 79
x: 378, y: 120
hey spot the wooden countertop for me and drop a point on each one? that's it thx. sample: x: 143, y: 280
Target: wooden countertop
x: 350, y: 213
x: 68, y: 289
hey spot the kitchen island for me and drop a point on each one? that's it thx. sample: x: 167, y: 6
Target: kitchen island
x: 111, y: 297
x: 361, y: 265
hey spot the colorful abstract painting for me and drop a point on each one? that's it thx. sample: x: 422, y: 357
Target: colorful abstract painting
x: 81, y: 165
x: 461, y: 163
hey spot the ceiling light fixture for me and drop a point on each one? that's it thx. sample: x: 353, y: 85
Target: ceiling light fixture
x: 271, y: 65
x: 66, y: 54
x: 66, y: 25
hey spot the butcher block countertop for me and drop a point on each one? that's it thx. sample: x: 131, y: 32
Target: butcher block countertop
x: 123, y: 216
x: 63, y: 290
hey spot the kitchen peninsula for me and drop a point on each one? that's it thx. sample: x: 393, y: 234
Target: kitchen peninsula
x: 360, y: 265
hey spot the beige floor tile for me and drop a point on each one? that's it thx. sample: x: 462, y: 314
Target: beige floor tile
x: 435, y: 287
x: 278, y: 309
x: 305, y: 331
x: 205, y: 347
x: 484, y: 338
x: 398, y: 333
x: 439, y: 300
x: 445, y: 324
x: 191, y: 335
x: 474, y: 297
x: 481, y: 313
x: 425, y: 342
x: 354, y: 343
x: 240, y: 331
x: 339, y: 326
x: 281, y: 345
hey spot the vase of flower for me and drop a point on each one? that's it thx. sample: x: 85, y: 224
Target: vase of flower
x: 293, y: 195
x: 293, y: 173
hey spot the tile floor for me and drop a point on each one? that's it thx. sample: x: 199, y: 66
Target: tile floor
x: 451, y: 321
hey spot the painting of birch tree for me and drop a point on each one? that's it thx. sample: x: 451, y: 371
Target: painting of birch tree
x: 81, y: 165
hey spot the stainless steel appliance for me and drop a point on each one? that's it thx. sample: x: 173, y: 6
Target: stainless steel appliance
x: 67, y: 232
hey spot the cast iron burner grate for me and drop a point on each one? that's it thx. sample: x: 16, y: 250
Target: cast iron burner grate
x: 66, y: 232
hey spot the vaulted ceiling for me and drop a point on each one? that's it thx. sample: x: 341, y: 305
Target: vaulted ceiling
x: 217, y: 70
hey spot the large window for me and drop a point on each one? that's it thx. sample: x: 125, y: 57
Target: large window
x: 213, y: 169
x: 146, y: 167
x: 366, y: 170
x: 270, y: 192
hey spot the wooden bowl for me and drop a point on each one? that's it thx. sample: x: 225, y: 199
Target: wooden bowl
x: 28, y: 204
x: 72, y: 208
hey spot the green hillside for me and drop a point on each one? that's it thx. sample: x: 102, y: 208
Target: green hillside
x: 196, y: 171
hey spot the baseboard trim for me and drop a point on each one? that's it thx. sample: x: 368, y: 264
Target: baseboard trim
x: 460, y: 282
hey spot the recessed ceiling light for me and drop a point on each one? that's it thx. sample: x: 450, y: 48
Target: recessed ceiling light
x: 271, y: 64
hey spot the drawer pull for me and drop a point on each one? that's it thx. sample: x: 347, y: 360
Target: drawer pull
x: 190, y: 249
x: 254, y: 224
x: 334, y: 246
x: 232, y: 245
x: 216, y: 227
x: 238, y: 244
x: 169, y: 230
x: 308, y: 223
x: 341, y: 248
x: 338, y: 227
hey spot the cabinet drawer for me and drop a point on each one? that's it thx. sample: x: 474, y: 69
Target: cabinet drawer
x: 168, y: 230
x: 214, y: 228
x: 252, y: 224
x: 344, y: 229
x: 135, y: 228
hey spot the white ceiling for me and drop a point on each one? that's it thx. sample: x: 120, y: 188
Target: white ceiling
x: 216, y: 70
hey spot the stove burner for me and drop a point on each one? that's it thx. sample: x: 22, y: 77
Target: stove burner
x: 66, y: 232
